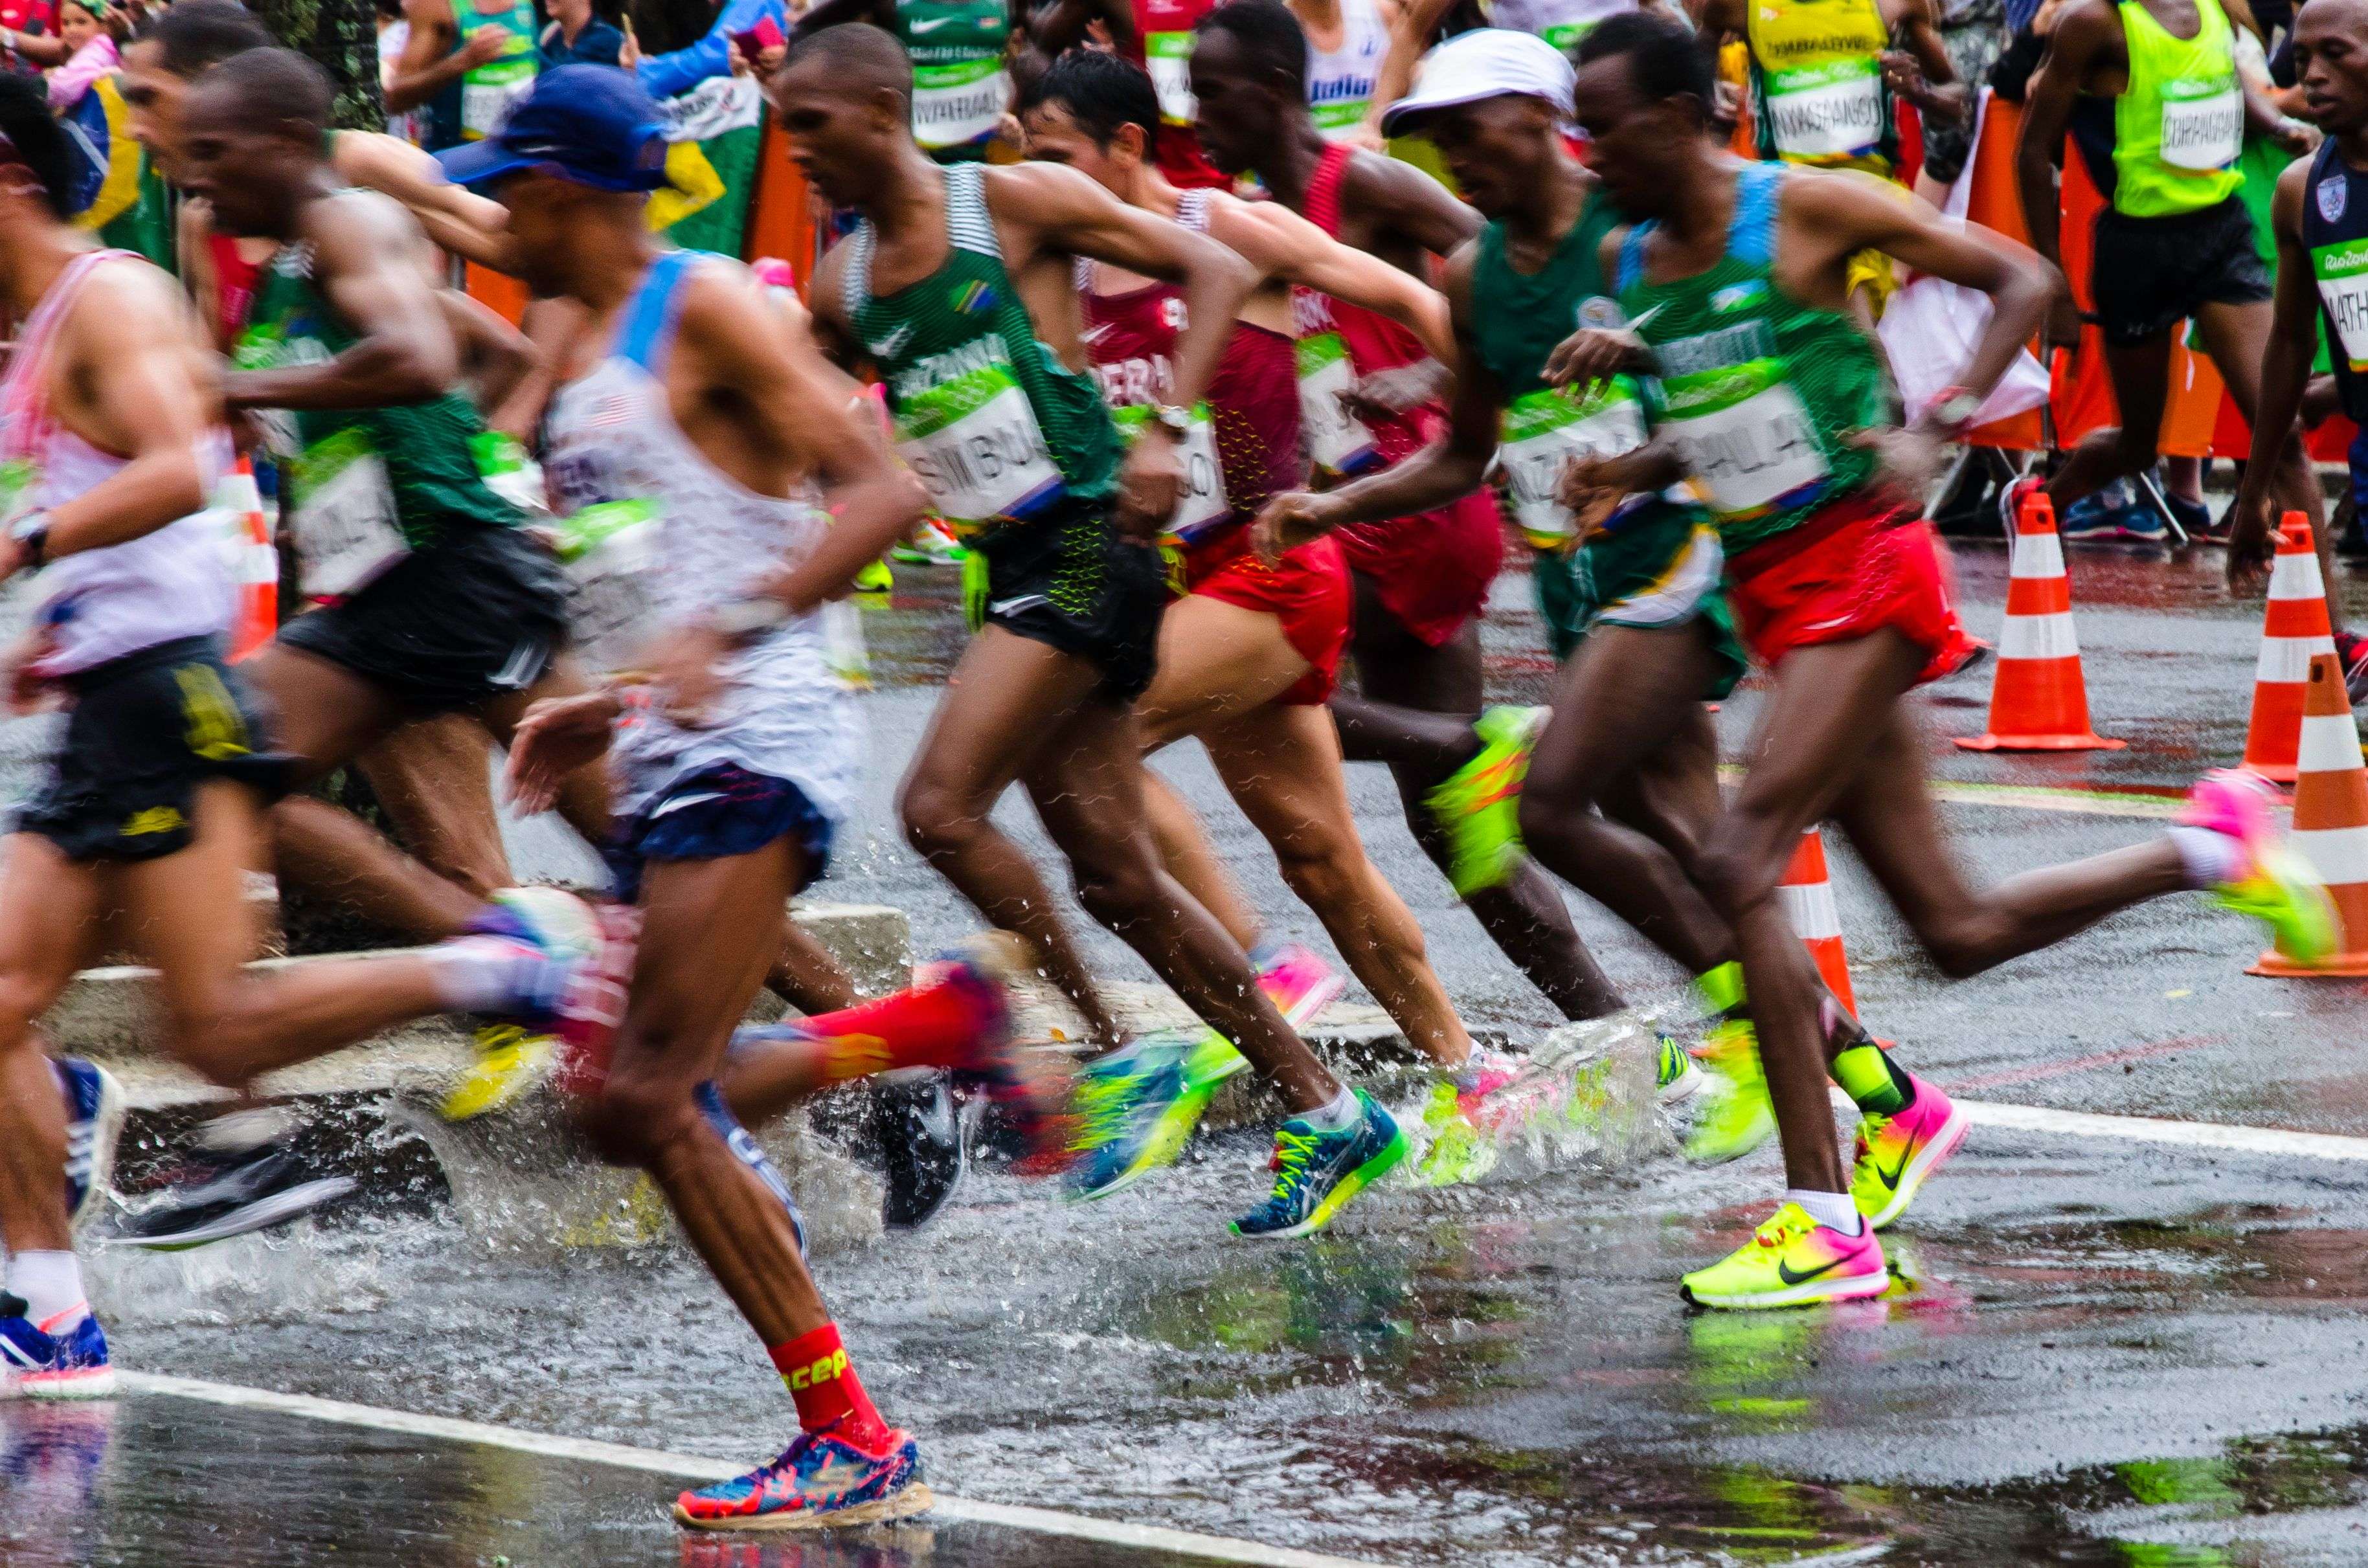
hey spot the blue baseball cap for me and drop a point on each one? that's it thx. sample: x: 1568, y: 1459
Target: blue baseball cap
x: 590, y: 124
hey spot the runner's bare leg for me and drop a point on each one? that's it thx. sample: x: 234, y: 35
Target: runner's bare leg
x: 50, y: 912
x: 2236, y: 336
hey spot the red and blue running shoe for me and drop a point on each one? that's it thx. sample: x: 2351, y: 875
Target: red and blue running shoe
x: 819, y: 1481
x: 52, y: 1359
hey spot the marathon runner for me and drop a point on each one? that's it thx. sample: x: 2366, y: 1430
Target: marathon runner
x: 1825, y: 72
x: 1347, y: 42
x: 2157, y: 109
x: 463, y: 71
x: 1773, y: 404
x: 960, y: 285
x: 1370, y: 395
x: 1249, y: 652
x: 1157, y: 36
x: 962, y: 68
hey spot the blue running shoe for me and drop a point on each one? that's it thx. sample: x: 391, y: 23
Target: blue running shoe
x: 1318, y: 1173
x: 94, y: 1120
x: 1132, y: 1115
x: 35, y: 1364
x: 819, y: 1481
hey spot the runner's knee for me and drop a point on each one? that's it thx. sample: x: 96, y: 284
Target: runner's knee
x: 635, y: 1115
x: 1734, y: 870
x: 1962, y: 941
x: 1116, y: 888
x: 938, y: 820
x: 1324, y: 869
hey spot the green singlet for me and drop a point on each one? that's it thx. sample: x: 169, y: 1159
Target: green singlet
x: 1758, y: 391
x: 962, y: 85
x: 1659, y: 563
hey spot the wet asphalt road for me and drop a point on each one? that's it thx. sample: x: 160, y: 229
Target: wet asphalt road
x: 2102, y: 1351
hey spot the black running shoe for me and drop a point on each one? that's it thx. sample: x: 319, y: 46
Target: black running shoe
x: 228, y: 1193
x: 923, y: 1146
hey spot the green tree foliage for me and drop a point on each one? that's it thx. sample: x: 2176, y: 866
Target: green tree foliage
x: 341, y: 35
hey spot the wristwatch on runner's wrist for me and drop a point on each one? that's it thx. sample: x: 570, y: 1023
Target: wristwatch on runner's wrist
x: 750, y: 617
x: 1951, y: 410
x: 1177, y: 421
x: 31, y: 533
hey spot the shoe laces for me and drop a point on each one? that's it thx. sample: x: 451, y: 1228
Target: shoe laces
x: 1778, y: 1230
x: 1291, y: 1153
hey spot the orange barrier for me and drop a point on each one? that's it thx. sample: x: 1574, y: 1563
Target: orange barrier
x: 2039, y: 700
x: 257, y: 558
x: 2295, y: 631
x: 2330, y: 820
x: 1808, y: 897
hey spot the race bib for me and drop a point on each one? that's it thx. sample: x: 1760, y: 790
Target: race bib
x: 1744, y: 436
x: 509, y: 472
x: 954, y: 106
x: 1832, y: 111
x: 1543, y: 429
x: 974, y: 444
x: 610, y: 552
x: 2341, y: 269
x: 1337, y: 442
x: 2202, y: 123
x: 342, y: 516
x: 17, y: 478
x: 1169, y: 56
x: 488, y: 90
x: 1204, y: 505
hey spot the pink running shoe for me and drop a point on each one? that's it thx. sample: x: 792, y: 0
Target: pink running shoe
x: 1301, y: 985
x: 1896, y: 1152
x: 2272, y: 884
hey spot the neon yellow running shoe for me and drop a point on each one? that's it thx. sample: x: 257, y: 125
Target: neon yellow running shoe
x: 510, y: 1061
x: 1792, y: 1261
x: 2273, y: 885
x: 1896, y: 1152
x: 1458, y: 1150
x: 875, y: 578
x: 1478, y: 805
x: 1674, y: 1076
x: 1137, y: 1108
x: 1736, y: 1117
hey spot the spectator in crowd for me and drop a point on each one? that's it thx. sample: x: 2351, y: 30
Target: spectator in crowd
x: 578, y: 34
x: 84, y: 30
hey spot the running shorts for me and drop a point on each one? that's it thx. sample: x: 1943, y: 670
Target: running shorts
x: 1660, y: 567
x: 2164, y: 270
x: 145, y: 731
x: 715, y: 813
x: 2356, y: 458
x: 1850, y: 570
x: 1070, y: 582
x: 1432, y: 572
x: 1308, y: 590
x: 478, y: 615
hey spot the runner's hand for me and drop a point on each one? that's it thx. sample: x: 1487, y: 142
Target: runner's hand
x: 2252, y: 544
x: 1907, y: 462
x: 1397, y: 392
x: 1905, y: 76
x: 1289, y: 520
x: 1150, y: 483
x: 484, y: 46
x: 30, y: 692
x: 685, y: 673
x: 1591, y: 488
x: 2063, y: 328
x: 556, y: 737
x: 1593, y: 355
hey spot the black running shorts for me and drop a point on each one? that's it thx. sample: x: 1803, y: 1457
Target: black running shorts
x: 479, y: 615
x: 2153, y: 273
x: 143, y: 731
x: 1069, y: 581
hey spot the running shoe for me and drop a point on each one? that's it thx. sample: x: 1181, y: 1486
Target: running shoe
x: 510, y: 1062
x: 980, y: 974
x: 1318, y: 1173
x: 1458, y: 1148
x: 1301, y: 984
x: 1792, y: 1261
x: 2195, y: 519
x: 48, y: 1361
x: 1478, y: 806
x: 1674, y: 1076
x: 820, y: 1480
x: 2273, y: 885
x: 1735, y: 1116
x: 924, y: 1145
x: 1896, y: 1152
x: 932, y: 544
x: 93, y: 1122
x: 2116, y: 514
x: 1132, y: 1117
x: 220, y: 1193
x: 875, y: 578
x: 2352, y: 648
x: 2010, y: 500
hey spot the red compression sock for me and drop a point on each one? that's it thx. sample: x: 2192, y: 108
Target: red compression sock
x: 933, y: 1025
x: 828, y: 1393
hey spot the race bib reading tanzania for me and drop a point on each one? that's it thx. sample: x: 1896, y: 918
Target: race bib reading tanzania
x: 1202, y: 506
x: 610, y: 552
x: 2202, y: 123
x: 1337, y: 442
x: 1544, y: 429
x: 342, y: 515
x: 974, y: 444
x: 1744, y: 436
x: 956, y: 105
x: 2341, y: 269
x: 1833, y: 109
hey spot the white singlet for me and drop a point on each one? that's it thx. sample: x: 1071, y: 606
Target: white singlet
x: 1341, y: 81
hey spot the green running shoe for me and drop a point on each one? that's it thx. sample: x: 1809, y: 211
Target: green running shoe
x: 1478, y: 805
x: 932, y: 544
x: 874, y: 579
x: 1736, y: 1117
x: 1318, y: 1173
x: 1674, y: 1076
x: 1458, y: 1150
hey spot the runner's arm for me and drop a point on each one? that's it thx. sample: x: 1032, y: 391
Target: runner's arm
x: 496, y: 357
x: 2084, y: 32
x: 831, y: 12
x: 1281, y: 245
x: 1932, y: 85
x: 404, y: 351
x: 1413, y: 206
x: 1717, y: 20
x: 134, y: 345
x: 1063, y: 26
x: 458, y: 218
x: 2285, y: 371
x: 428, y: 65
x: 1410, y: 34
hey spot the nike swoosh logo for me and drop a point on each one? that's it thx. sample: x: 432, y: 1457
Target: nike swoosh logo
x: 888, y: 346
x: 1096, y: 334
x: 1890, y: 1179
x: 681, y: 801
x: 1012, y: 607
x: 1784, y: 1272
x: 929, y: 24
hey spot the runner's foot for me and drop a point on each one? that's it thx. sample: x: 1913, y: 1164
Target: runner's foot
x: 932, y: 544
x: 510, y: 1063
x: 1735, y: 1116
x: 1318, y: 1173
x: 1478, y: 805
x: 1792, y: 1261
x: 1674, y: 1076
x: 37, y: 1363
x: 1132, y: 1115
x: 2270, y: 881
x: 1299, y: 983
x: 1896, y: 1152
x: 818, y: 1481
x: 229, y: 1191
x: 93, y: 1122
x: 875, y: 578
x: 923, y: 1146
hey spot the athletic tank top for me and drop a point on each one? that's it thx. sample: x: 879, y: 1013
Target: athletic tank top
x: 1248, y: 447
x: 2335, y: 233
x: 1338, y: 344
x: 962, y: 88
x: 1758, y: 391
x: 365, y: 486
x: 1517, y: 320
x: 996, y: 427
x: 234, y: 282
x: 1817, y: 73
x: 167, y: 585
x: 1561, y: 23
x: 656, y: 536
x: 1163, y: 48
x: 2179, y: 124
x: 472, y: 109
x: 1341, y: 81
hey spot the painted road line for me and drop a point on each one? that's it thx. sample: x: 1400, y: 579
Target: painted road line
x: 2150, y: 805
x: 2272, y: 1141
x: 686, y: 1467
x: 2046, y: 1070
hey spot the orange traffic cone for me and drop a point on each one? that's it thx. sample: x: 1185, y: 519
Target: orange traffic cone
x: 258, y: 569
x: 2295, y: 632
x: 1808, y: 897
x: 2039, y: 701
x: 2331, y: 819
